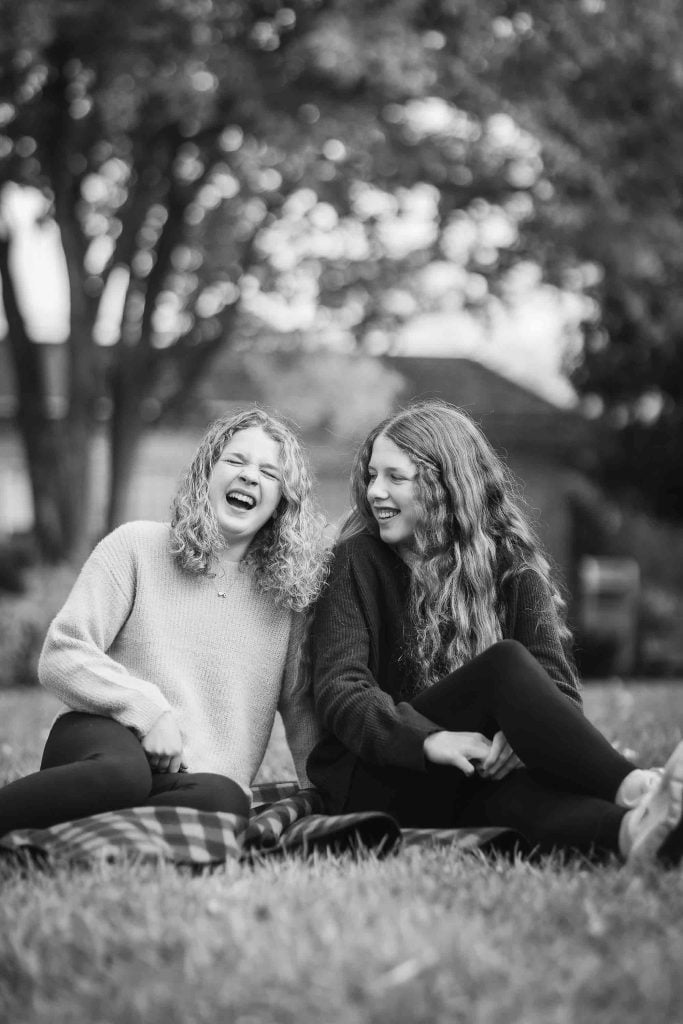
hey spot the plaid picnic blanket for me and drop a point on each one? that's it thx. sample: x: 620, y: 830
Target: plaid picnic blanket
x: 284, y: 819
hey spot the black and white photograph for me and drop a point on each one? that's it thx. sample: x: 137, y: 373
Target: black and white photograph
x: 341, y: 512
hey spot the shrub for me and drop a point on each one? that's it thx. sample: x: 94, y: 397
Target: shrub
x: 17, y: 553
x: 24, y: 619
x: 661, y: 645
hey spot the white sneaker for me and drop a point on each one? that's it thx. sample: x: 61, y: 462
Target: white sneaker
x: 655, y: 827
x: 636, y: 785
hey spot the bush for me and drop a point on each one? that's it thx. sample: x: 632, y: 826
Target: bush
x: 661, y: 642
x: 24, y: 619
x: 17, y: 553
x: 658, y: 548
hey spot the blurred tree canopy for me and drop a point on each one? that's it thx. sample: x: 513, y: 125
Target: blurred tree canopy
x: 211, y: 162
x: 170, y: 138
x: 600, y: 85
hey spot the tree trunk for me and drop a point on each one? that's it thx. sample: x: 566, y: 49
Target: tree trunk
x: 125, y: 429
x: 75, y: 456
x: 58, y: 457
x: 54, y: 461
x: 55, y: 452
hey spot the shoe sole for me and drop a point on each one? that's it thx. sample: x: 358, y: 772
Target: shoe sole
x: 659, y: 836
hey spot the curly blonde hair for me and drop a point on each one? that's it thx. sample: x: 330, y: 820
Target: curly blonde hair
x: 472, y: 536
x: 288, y: 554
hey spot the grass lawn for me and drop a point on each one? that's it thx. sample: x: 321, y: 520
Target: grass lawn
x: 425, y: 936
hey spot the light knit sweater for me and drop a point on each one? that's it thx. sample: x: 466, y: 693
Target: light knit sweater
x: 138, y: 637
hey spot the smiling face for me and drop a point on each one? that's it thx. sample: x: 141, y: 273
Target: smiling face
x: 392, y: 494
x: 245, y: 487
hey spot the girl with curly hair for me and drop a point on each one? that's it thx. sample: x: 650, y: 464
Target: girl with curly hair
x: 442, y: 667
x: 178, y: 642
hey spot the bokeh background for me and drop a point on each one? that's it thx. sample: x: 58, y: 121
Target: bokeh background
x: 332, y: 207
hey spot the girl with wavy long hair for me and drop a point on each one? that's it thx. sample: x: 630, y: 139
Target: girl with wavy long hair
x: 441, y: 662
x: 178, y: 642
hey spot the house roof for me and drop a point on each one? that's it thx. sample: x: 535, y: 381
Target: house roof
x: 511, y: 415
x: 468, y: 384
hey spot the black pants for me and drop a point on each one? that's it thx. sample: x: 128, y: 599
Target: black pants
x: 93, y: 764
x: 562, y: 798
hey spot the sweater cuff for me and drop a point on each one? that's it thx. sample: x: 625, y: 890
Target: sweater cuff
x: 420, y: 728
x: 145, y: 714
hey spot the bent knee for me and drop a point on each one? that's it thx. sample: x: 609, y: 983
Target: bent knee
x: 125, y: 782
x: 509, y: 662
x: 506, y: 652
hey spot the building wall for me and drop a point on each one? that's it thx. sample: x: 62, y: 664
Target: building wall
x: 543, y: 485
x: 161, y: 460
x: 164, y: 454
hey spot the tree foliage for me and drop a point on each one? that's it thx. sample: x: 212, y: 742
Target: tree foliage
x: 210, y: 162
x: 600, y: 85
x: 171, y: 140
x: 125, y: 120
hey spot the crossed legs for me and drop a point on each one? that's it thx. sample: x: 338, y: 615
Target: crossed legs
x: 562, y: 799
x: 93, y: 764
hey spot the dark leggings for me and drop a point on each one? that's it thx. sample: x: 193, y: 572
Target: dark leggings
x: 562, y: 798
x: 93, y: 764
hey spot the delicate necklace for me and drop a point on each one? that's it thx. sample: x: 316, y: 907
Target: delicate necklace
x: 222, y: 592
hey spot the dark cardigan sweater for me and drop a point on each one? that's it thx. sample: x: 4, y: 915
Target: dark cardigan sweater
x: 359, y: 668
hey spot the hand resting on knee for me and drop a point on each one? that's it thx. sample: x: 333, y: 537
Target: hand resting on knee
x: 458, y: 749
x: 163, y: 744
x: 501, y: 759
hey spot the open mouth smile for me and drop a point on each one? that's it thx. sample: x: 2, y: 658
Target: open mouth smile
x: 383, y: 514
x: 240, y: 500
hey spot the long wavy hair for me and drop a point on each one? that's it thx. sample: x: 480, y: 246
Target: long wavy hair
x: 472, y: 536
x: 288, y: 554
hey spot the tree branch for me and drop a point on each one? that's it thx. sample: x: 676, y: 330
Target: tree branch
x: 190, y: 360
x: 28, y: 367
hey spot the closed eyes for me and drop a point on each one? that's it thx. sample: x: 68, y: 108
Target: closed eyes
x: 268, y: 471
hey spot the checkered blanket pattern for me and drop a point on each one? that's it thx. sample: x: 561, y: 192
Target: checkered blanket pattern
x: 284, y: 818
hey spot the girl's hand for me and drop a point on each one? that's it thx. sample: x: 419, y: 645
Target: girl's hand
x: 501, y: 759
x: 163, y: 744
x: 458, y: 749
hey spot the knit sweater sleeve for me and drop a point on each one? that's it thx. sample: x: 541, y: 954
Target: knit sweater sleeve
x: 536, y: 624
x: 74, y: 664
x: 348, y: 698
x: 296, y: 704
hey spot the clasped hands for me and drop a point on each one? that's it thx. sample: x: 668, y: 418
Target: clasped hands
x: 472, y: 752
x: 163, y: 744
